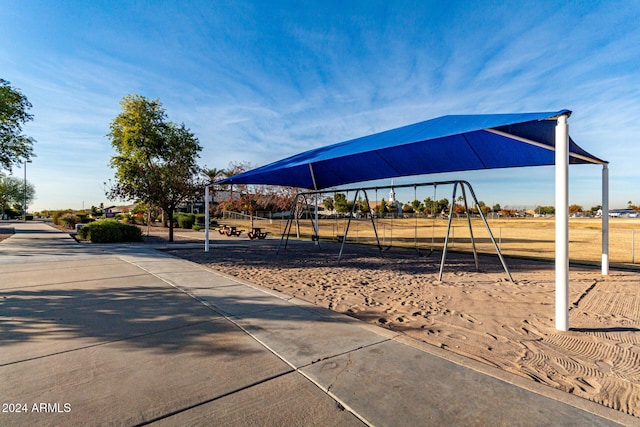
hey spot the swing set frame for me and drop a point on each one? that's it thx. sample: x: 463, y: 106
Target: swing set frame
x: 304, y: 197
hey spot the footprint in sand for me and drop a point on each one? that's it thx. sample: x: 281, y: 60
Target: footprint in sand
x: 469, y: 318
x: 455, y: 336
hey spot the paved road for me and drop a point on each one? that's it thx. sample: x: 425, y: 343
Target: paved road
x: 103, y: 334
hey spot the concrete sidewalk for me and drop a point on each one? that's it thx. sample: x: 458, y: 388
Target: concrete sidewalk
x: 102, y: 334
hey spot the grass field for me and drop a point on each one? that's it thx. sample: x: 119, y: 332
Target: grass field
x: 529, y: 237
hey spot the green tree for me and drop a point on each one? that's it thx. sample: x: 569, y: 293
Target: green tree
x: 363, y: 206
x: 382, y: 208
x: 429, y: 206
x: 214, y: 174
x: 441, y: 205
x: 328, y: 203
x: 155, y: 161
x: 13, y: 192
x: 594, y: 209
x: 417, y: 205
x: 545, y: 210
x: 14, y: 146
x: 341, y: 203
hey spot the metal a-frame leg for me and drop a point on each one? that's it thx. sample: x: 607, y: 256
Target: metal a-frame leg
x: 346, y: 231
x: 287, y: 227
x: 446, y: 238
x: 446, y: 241
x: 493, y: 240
x: 473, y: 241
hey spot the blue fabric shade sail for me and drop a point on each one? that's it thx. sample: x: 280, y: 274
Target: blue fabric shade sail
x: 444, y: 144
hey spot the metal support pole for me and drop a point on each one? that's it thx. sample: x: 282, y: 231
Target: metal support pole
x: 562, y: 223
x: 605, y: 220
x: 316, y: 229
x: 206, y: 218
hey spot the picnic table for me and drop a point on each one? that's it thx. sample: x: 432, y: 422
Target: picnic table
x: 257, y: 233
x: 230, y: 230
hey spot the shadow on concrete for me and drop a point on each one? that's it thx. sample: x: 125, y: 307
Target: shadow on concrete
x: 156, y: 317
x: 62, y: 250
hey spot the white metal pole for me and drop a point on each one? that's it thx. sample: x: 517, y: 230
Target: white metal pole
x: 317, y: 226
x: 24, y: 200
x: 206, y: 218
x: 562, y: 224
x: 605, y: 220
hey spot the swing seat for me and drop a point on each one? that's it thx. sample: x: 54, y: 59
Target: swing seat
x: 340, y: 238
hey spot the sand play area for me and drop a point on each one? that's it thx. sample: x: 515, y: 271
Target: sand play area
x: 480, y: 315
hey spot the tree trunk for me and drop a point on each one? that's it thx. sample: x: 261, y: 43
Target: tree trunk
x: 170, y: 225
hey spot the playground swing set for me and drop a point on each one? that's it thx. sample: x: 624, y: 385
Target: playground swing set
x: 303, y: 202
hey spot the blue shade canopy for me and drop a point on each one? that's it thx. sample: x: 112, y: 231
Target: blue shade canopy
x: 444, y: 144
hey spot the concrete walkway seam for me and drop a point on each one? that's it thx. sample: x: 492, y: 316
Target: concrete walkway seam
x: 339, y: 402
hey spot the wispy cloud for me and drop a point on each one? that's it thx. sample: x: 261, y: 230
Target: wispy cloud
x: 257, y: 82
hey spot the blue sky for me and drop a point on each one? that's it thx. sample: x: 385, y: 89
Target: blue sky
x: 258, y: 81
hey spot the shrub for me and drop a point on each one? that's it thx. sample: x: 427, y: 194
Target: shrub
x: 56, y: 215
x: 199, y: 219
x: 196, y: 227
x: 69, y: 220
x: 186, y: 220
x: 110, y: 231
x: 11, y: 213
